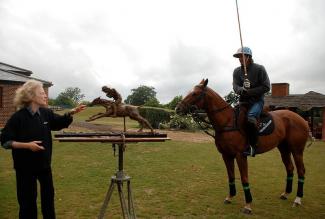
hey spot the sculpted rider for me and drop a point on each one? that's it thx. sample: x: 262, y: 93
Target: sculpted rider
x: 112, y: 93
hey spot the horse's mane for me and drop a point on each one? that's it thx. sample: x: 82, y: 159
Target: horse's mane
x: 105, y: 100
x: 216, y: 94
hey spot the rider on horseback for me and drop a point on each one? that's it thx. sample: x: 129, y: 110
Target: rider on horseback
x: 112, y: 93
x: 251, y: 89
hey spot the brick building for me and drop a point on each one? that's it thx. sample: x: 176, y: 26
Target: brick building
x: 311, y: 106
x: 12, y: 77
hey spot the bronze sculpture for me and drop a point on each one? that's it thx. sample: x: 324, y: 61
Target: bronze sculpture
x: 112, y: 93
x: 118, y: 109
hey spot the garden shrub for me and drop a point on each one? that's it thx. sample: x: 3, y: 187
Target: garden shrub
x: 182, y: 122
x: 156, y: 116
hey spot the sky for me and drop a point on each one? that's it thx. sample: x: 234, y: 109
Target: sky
x: 170, y: 45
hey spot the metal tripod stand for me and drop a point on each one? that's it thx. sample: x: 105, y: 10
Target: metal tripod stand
x: 119, y: 139
x: 127, y: 209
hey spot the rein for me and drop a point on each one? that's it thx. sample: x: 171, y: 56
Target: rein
x: 199, y: 119
x: 208, y: 125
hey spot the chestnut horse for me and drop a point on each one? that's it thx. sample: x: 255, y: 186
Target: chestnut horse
x: 122, y: 110
x: 289, y: 136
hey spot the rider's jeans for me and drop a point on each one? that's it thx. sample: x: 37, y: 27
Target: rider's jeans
x: 256, y: 109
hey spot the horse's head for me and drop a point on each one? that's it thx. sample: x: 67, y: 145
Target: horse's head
x: 194, y: 99
x: 95, y: 101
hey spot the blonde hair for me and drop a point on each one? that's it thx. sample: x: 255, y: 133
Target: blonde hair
x: 26, y: 93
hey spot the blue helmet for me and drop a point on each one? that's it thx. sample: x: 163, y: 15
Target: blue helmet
x: 246, y: 51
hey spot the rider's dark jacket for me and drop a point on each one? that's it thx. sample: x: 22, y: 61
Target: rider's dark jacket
x: 259, y: 81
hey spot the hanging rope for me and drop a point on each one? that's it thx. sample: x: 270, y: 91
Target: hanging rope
x: 241, y: 41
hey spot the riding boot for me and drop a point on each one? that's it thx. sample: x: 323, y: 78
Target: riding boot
x: 252, y: 132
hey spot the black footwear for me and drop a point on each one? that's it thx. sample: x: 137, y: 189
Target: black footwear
x: 252, y: 135
x: 250, y: 151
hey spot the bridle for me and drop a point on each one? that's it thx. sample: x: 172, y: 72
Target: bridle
x: 195, y: 113
x: 200, y: 97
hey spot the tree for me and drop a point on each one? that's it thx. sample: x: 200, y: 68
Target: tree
x: 141, y: 95
x: 173, y: 103
x: 153, y: 102
x: 64, y: 101
x: 70, y: 97
x: 85, y: 102
x: 232, y: 98
x: 51, y: 102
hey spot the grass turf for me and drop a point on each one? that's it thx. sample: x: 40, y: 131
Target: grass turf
x: 170, y: 180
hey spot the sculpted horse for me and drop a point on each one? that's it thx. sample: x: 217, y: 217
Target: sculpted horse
x: 290, y: 135
x: 122, y: 110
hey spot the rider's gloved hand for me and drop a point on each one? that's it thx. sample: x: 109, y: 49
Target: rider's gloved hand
x: 247, y: 84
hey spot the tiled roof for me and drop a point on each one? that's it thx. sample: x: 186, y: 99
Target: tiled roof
x: 14, y: 69
x: 302, y: 101
x: 10, y: 73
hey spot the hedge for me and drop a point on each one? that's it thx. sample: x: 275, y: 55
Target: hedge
x: 155, y: 115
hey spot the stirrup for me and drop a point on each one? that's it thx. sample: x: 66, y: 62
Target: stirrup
x: 250, y: 151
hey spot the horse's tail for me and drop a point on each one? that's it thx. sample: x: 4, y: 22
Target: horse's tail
x: 311, y: 139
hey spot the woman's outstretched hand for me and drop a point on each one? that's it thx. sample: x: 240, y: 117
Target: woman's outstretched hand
x: 77, y: 109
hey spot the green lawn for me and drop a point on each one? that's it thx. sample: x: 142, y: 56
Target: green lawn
x: 169, y: 180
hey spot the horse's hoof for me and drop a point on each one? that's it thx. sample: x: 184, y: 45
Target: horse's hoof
x: 247, y: 210
x: 227, y: 201
x: 295, y: 204
x: 283, y: 196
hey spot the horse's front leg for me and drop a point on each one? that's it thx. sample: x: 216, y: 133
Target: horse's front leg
x: 230, y: 165
x: 243, y: 169
x: 93, y: 116
x: 97, y: 116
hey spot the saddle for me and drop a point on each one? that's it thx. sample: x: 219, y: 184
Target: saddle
x: 265, y: 122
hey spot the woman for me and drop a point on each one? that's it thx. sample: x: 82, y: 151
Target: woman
x: 28, y: 134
